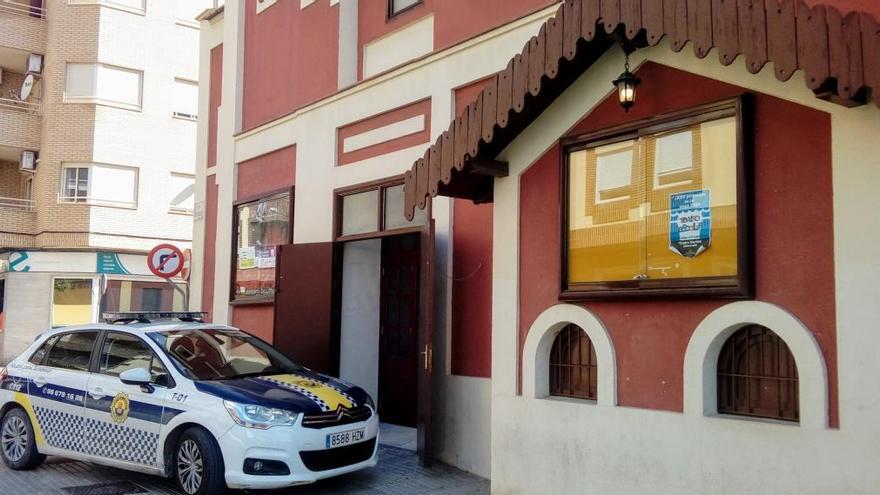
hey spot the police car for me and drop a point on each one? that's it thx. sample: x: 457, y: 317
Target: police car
x: 210, y: 405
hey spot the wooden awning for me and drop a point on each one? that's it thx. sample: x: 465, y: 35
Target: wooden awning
x: 840, y: 57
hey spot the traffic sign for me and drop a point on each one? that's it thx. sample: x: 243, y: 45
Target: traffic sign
x: 165, y: 260
x: 187, y: 264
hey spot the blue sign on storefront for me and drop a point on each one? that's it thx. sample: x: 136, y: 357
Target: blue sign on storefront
x: 109, y: 263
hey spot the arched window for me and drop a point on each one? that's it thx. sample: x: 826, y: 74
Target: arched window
x: 757, y: 376
x: 573, y: 364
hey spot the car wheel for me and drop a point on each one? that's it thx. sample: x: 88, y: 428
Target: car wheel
x: 18, y: 446
x: 199, y: 464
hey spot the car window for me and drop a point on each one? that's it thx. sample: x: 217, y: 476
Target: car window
x: 122, y: 352
x: 213, y: 354
x: 38, y: 356
x: 72, y: 351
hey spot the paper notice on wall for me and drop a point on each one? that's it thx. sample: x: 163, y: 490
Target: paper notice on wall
x: 246, y: 258
x: 690, y: 222
x: 265, y: 257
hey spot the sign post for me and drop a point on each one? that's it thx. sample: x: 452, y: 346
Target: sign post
x: 166, y: 261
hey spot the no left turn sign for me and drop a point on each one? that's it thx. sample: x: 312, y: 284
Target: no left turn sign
x: 165, y: 260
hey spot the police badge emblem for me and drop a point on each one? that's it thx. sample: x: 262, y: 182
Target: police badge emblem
x: 119, y: 408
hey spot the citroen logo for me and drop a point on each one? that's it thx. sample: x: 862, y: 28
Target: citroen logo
x: 342, y: 413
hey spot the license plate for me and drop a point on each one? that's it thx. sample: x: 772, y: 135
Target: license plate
x: 345, y: 438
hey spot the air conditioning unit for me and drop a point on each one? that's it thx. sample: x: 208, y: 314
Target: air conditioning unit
x: 28, y: 162
x: 35, y: 63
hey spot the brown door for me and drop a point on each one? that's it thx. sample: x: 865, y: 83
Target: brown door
x: 426, y: 342
x: 399, y: 330
x: 304, y: 315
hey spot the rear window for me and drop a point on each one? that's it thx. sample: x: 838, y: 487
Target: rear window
x: 40, y: 354
x: 72, y: 351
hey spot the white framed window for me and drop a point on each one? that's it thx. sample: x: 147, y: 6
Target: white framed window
x: 265, y: 4
x: 99, y: 184
x: 186, y: 99
x: 186, y: 11
x: 397, y: 6
x: 183, y: 188
x: 104, y: 84
x: 134, y: 6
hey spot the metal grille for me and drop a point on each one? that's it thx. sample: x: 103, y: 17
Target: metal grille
x: 325, y: 460
x: 573, y: 366
x: 341, y: 416
x: 757, y: 376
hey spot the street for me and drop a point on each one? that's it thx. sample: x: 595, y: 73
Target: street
x: 398, y: 472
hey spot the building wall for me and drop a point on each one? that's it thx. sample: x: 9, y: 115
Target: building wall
x: 684, y: 449
x: 461, y: 402
x: 281, y: 54
x: 28, y: 309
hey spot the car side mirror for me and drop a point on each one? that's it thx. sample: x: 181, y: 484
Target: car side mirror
x: 138, y: 376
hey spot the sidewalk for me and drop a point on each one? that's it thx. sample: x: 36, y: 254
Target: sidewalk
x: 398, y: 472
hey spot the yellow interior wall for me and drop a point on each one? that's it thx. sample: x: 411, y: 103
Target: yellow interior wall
x: 72, y: 306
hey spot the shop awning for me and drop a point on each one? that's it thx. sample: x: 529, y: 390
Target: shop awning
x: 840, y: 57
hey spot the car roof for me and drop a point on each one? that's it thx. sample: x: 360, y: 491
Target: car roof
x: 139, y: 327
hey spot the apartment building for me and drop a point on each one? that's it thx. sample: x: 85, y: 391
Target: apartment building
x: 98, y: 108
x: 564, y: 278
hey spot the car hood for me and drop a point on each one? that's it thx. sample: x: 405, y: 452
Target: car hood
x: 301, y: 392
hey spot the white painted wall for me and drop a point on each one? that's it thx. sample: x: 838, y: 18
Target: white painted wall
x: 545, y: 445
x: 408, y: 43
x: 359, y: 342
x: 27, y: 311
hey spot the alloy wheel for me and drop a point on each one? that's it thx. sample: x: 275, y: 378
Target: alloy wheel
x: 14, y: 438
x: 189, y: 466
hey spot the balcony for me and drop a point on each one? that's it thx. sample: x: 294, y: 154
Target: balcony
x: 23, y: 25
x: 19, y: 118
x: 17, y: 214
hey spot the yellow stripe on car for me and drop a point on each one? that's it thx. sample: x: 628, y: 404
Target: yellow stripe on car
x: 23, y: 400
x: 331, y: 397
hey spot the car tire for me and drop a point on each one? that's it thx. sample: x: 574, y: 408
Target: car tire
x: 198, y: 464
x: 18, y: 445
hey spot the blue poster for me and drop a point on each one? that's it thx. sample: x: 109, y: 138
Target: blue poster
x: 690, y: 222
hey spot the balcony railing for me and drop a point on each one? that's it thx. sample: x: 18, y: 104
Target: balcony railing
x: 16, y: 105
x: 16, y: 204
x: 24, y: 8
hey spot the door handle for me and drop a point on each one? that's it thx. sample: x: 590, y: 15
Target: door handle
x: 96, y: 393
x: 40, y: 381
x: 427, y: 354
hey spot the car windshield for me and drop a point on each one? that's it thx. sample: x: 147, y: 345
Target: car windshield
x: 214, y: 354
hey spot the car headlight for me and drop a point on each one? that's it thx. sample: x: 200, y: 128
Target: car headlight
x: 369, y: 403
x: 263, y: 418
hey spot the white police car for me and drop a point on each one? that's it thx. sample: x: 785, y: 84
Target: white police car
x: 210, y: 405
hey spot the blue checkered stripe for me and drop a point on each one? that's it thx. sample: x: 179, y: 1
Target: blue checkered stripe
x: 99, y: 438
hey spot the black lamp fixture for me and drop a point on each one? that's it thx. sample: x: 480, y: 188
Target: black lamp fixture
x: 626, y: 87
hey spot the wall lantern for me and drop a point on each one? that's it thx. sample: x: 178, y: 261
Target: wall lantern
x: 626, y: 87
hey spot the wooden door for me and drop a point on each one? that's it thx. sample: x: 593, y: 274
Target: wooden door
x: 399, y: 330
x: 426, y: 342
x: 304, y: 306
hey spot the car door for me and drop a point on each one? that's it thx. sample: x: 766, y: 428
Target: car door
x: 57, y: 391
x: 123, y: 422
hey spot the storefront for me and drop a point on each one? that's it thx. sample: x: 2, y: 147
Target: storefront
x: 45, y: 289
x: 683, y: 293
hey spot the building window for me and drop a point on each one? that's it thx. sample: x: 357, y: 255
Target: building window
x: 657, y: 207
x: 134, y: 295
x: 75, y: 188
x: 104, y: 84
x: 186, y: 99
x: 373, y: 210
x: 136, y: 6
x: 757, y: 376
x: 397, y: 6
x: 573, y: 368
x: 260, y: 227
x: 71, y: 302
x: 182, y: 188
x: 99, y: 184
